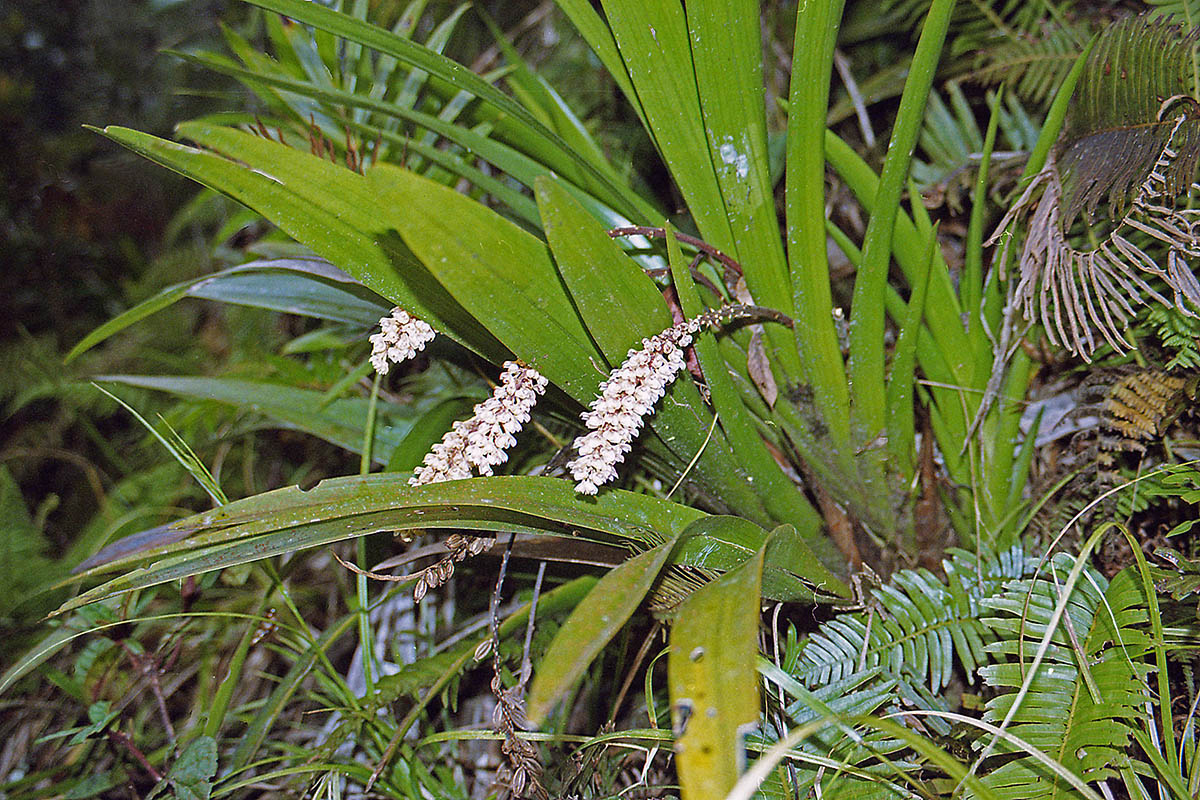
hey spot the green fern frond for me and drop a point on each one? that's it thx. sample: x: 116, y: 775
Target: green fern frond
x: 1033, y: 66
x: 857, y: 763
x: 1173, y: 482
x: 1185, y: 12
x: 1084, y: 698
x: 916, y: 625
x: 1178, y: 333
x: 952, y: 144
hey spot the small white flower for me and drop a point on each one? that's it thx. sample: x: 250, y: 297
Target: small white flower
x: 401, y: 337
x: 483, y: 440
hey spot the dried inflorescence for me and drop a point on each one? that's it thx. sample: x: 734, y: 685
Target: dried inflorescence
x: 461, y: 548
x: 401, y: 337
x: 483, y: 440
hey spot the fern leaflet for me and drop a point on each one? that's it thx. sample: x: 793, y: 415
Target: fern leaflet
x: 1086, y: 694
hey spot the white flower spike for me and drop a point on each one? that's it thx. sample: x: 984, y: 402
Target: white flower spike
x: 401, y: 337
x: 483, y: 440
x: 626, y: 398
x: 631, y: 392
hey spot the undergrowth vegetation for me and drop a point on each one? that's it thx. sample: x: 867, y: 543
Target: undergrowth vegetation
x: 643, y: 401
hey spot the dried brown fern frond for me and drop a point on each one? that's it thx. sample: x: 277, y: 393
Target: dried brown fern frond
x: 1135, y: 405
x: 1134, y: 141
x: 1133, y: 409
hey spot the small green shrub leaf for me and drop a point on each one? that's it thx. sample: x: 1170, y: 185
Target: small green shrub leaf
x: 191, y: 775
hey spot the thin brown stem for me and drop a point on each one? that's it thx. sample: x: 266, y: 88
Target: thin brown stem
x: 731, y: 265
x: 123, y: 739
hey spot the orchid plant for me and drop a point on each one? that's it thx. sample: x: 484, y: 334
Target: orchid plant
x: 430, y: 202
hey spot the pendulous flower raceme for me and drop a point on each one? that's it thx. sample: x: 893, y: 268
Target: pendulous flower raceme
x: 401, y: 337
x: 631, y: 392
x: 483, y: 440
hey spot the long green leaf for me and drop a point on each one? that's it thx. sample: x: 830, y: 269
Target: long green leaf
x: 592, y: 625
x: 812, y: 65
x: 598, y: 36
x: 326, y: 207
x: 518, y: 165
x: 867, y: 313
x: 653, y: 40
x: 501, y: 274
x: 726, y: 45
x: 287, y: 520
x: 713, y: 681
x: 295, y: 286
x: 340, y: 422
x: 901, y: 422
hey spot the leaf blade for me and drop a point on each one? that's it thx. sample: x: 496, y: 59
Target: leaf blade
x: 604, y: 611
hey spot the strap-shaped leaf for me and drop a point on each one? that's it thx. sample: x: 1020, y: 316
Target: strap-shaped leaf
x: 726, y: 44
x: 310, y: 287
x: 711, y: 672
x: 652, y: 36
x: 604, y: 611
x: 499, y: 273
x: 287, y: 520
x: 324, y: 206
x: 341, y: 421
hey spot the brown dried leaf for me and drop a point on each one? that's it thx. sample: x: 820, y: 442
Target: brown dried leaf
x: 759, y: 368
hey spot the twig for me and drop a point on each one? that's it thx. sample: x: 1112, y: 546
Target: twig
x: 521, y: 773
x: 629, y: 676
x: 1003, y: 350
x: 138, y: 756
x: 374, y: 575
x: 731, y: 266
x: 526, y: 661
x: 856, y: 98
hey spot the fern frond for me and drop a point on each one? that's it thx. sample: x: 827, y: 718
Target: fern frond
x: 1032, y: 65
x: 863, y: 692
x: 916, y: 625
x: 1133, y: 139
x: 1185, y: 12
x: 1086, y: 696
x: 952, y: 144
x: 1178, y: 333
